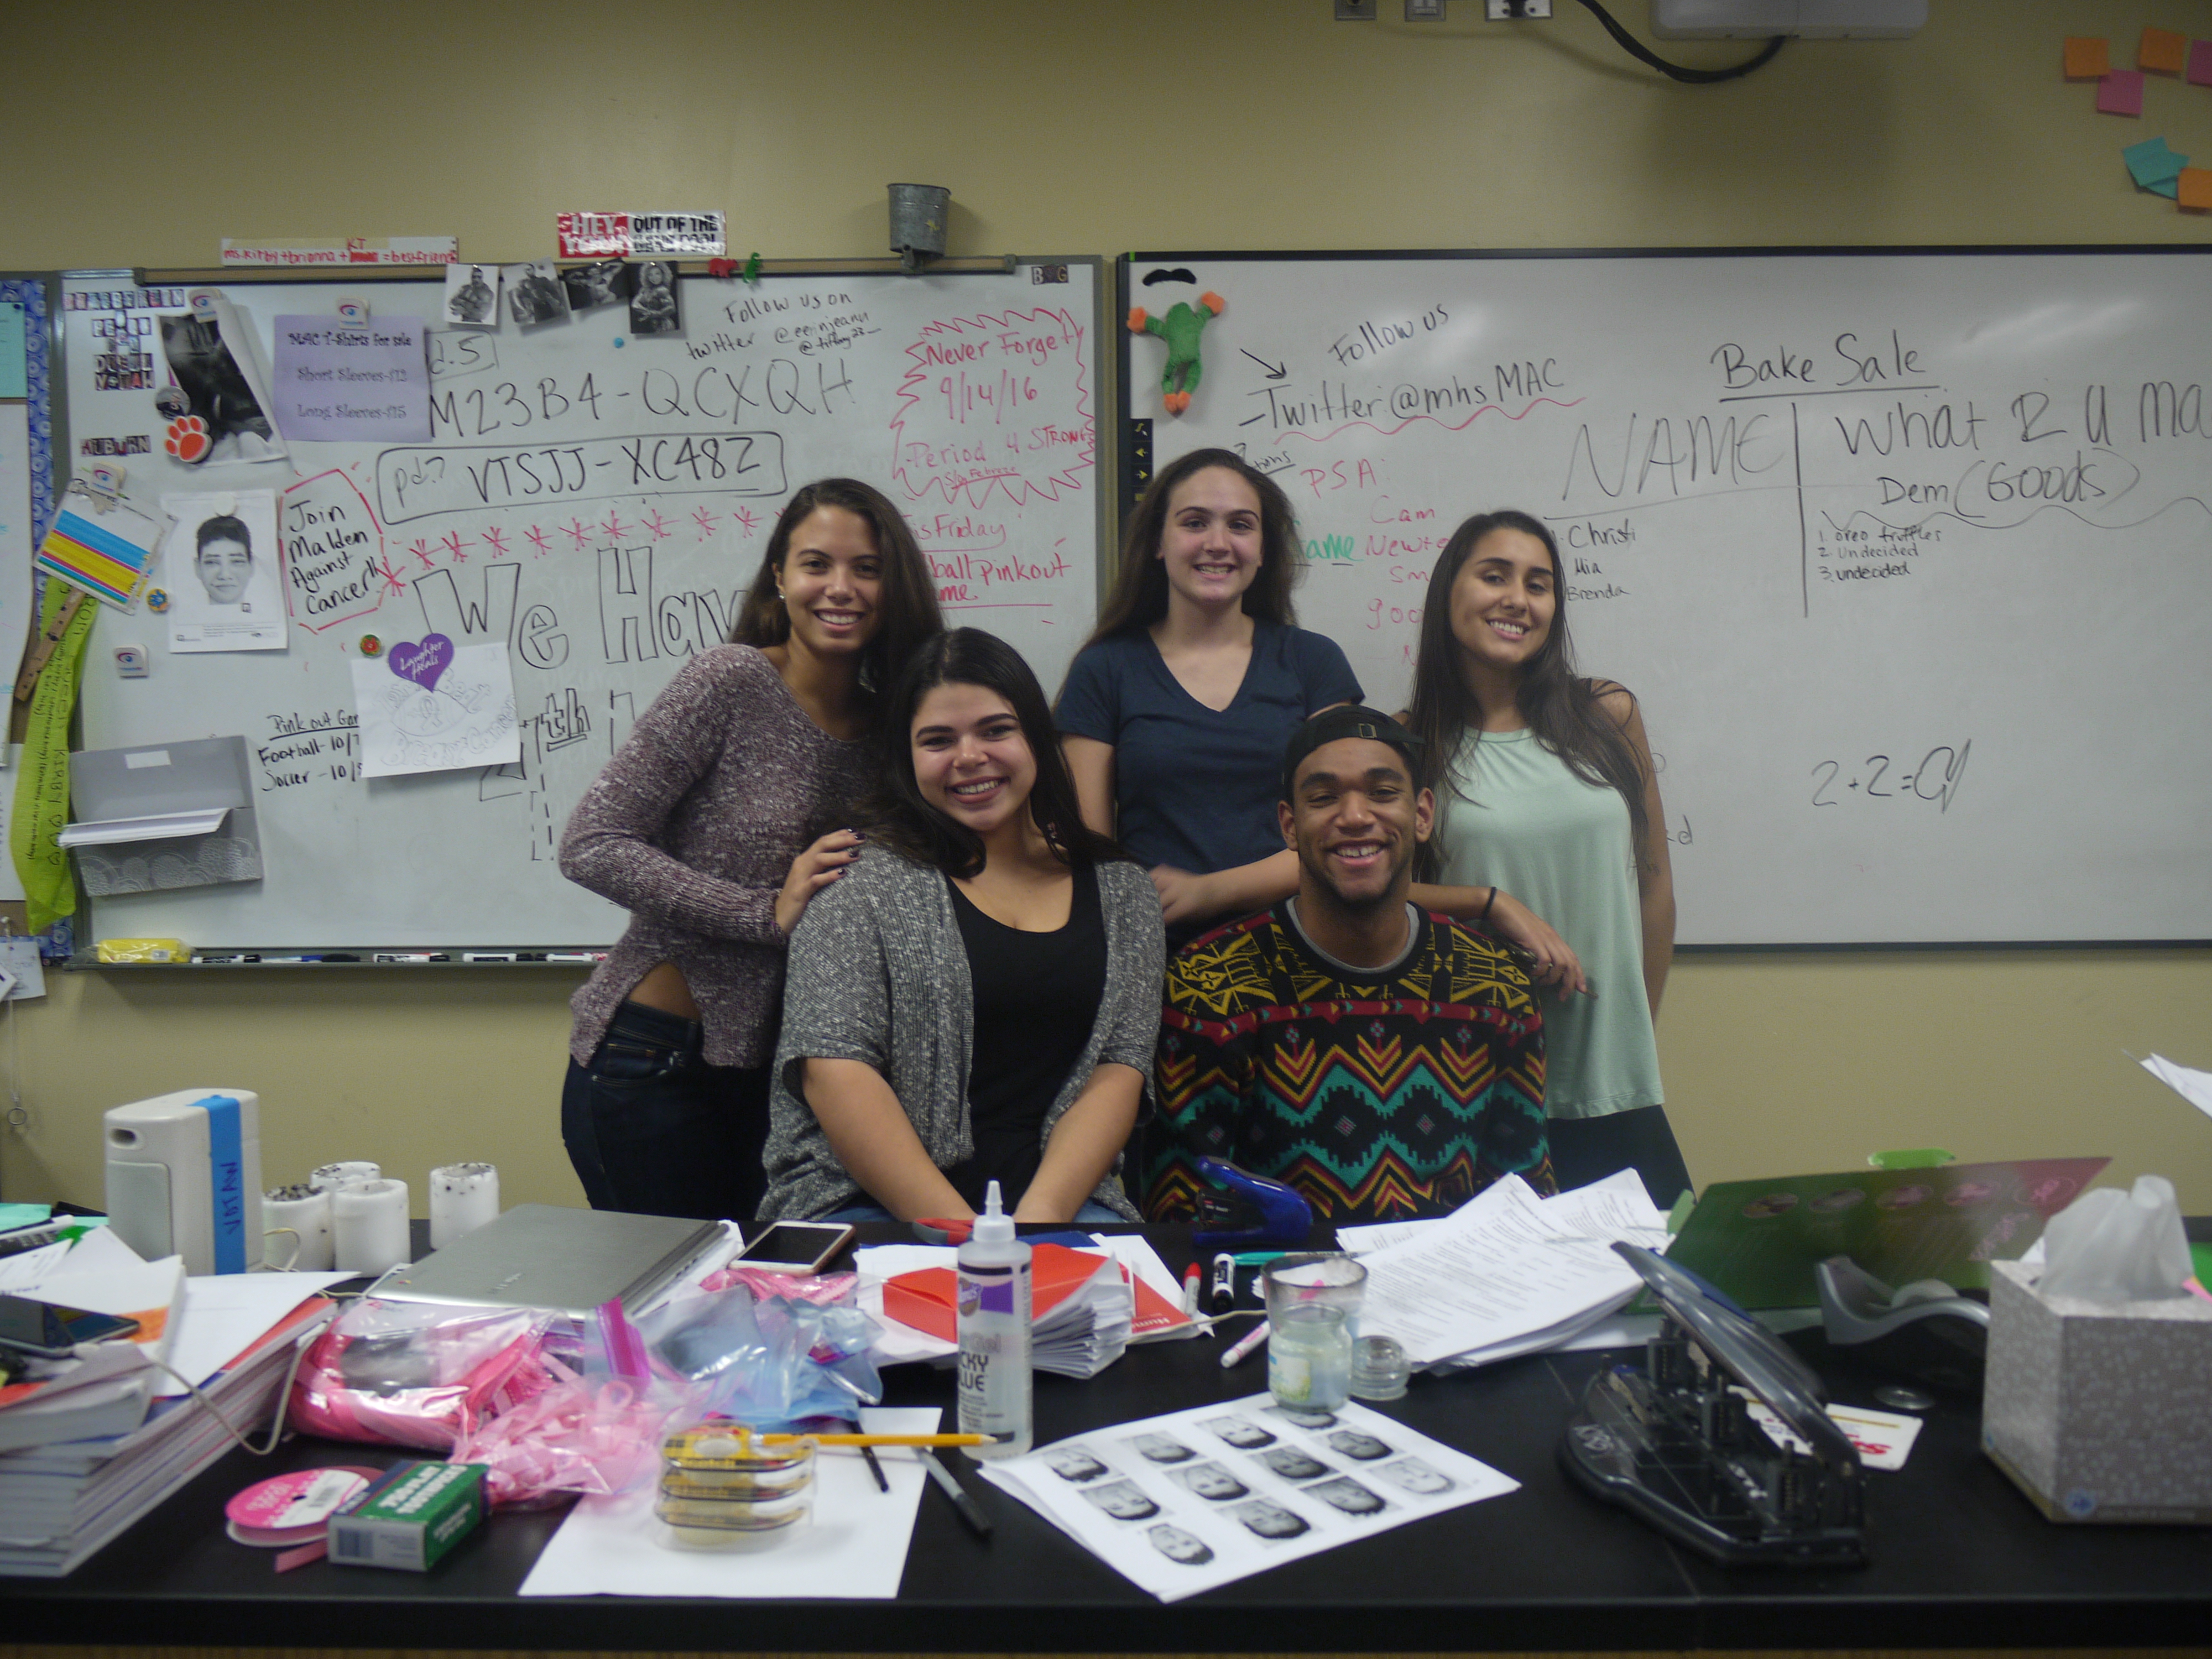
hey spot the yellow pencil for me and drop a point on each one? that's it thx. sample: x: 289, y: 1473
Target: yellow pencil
x: 879, y: 1439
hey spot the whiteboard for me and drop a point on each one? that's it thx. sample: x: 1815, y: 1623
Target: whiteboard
x: 1907, y: 555
x: 599, y: 503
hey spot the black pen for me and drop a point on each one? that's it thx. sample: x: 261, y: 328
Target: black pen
x: 978, y: 1522
x: 868, y: 1456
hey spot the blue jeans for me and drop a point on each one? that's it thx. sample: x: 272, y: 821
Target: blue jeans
x: 655, y: 1130
x: 1587, y: 1149
x: 1092, y: 1214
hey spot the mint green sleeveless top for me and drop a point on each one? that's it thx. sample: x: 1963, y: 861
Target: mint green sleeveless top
x: 1562, y: 847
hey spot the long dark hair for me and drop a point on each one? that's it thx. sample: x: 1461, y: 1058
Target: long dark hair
x: 906, y: 602
x: 1139, y: 598
x: 1561, y: 708
x: 902, y: 821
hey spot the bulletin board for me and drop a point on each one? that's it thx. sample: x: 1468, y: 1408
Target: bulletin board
x: 1906, y: 554
x: 594, y: 501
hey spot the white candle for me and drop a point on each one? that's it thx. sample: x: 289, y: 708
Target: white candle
x: 307, y: 1213
x: 369, y: 1227
x: 463, y: 1197
x: 332, y: 1176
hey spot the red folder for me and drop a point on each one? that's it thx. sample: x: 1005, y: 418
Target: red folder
x: 924, y: 1298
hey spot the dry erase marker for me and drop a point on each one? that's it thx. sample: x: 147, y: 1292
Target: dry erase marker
x: 594, y: 956
x: 1222, y: 1297
x: 502, y: 956
x: 1241, y: 1349
x: 412, y: 956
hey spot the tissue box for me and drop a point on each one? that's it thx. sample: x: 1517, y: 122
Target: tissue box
x: 2098, y: 1412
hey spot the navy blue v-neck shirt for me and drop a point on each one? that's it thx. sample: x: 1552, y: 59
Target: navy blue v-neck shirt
x: 1195, y: 787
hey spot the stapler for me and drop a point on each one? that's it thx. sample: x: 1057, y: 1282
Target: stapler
x: 1925, y: 1330
x: 1255, y: 1213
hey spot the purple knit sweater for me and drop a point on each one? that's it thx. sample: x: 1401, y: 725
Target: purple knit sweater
x: 692, y: 828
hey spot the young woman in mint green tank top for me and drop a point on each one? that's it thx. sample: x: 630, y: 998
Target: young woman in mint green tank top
x: 1545, y: 787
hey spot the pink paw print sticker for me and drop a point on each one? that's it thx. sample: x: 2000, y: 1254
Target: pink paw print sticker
x: 188, y: 439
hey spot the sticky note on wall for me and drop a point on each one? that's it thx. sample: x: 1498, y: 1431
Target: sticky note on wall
x: 2196, y: 188
x: 2200, y: 63
x: 2087, y: 57
x: 2162, y: 52
x: 2153, y: 165
x: 2120, y: 92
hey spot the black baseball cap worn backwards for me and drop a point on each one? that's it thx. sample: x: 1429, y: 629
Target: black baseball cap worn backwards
x: 1348, y: 720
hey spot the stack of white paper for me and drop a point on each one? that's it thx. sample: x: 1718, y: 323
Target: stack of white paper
x: 1183, y: 1502
x: 61, y: 1500
x: 1083, y: 1333
x: 1108, y: 1305
x: 105, y: 1389
x: 853, y: 1548
x: 2193, y: 1086
x: 61, y: 1504
x: 1507, y: 1273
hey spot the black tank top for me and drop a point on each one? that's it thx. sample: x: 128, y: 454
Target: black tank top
x: 1036, y: 1000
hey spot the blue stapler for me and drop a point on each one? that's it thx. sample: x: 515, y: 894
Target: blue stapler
x: 1255, y: 1213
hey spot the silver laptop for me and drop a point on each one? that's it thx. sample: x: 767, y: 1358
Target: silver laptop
x: 544, y: 1255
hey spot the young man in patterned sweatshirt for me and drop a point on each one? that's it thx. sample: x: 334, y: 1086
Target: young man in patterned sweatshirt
x: 1387, y: 1063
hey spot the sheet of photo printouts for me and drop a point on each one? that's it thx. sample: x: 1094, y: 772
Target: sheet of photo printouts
x: 1182, y: 1502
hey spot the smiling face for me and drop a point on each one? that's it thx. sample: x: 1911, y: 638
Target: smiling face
x: 832, y: 578
x: 224, y: 566
x: 970, y: 760
x: 1210, y: 543
x: 1503, y: 602
x: 1355, y: 819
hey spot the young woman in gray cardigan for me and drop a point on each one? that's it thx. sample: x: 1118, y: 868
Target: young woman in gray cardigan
x: 978, y: 998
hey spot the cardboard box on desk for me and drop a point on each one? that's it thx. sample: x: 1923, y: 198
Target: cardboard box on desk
x: 2097, y: 1413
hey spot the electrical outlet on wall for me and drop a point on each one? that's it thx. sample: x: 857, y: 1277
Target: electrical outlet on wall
x: 1511, y: 11
x: 1355, y: 11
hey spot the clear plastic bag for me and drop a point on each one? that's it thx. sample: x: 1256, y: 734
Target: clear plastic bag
x: 768, y: 1348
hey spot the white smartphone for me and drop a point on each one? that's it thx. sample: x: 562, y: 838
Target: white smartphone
x: 796, y: 1247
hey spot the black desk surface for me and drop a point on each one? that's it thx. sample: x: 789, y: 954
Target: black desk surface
x: 1959, y: 1560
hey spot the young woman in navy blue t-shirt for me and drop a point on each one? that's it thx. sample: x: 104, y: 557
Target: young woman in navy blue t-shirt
x: 1175, y: 716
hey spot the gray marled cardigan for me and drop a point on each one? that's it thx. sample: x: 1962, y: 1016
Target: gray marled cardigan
x: 879, y: 974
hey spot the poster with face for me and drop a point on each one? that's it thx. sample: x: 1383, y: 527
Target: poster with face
x: 534, y: 294
x: 654, y: 305
x: 215, y: 400
x: 219, y: 568
x: 472, y: 296
x: 602, y: 282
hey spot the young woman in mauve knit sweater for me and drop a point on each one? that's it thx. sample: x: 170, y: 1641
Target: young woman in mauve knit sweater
x: 713, y: 825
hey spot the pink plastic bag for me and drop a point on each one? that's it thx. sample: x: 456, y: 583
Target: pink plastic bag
x: 573, y: 1436
x: 407, y: 1374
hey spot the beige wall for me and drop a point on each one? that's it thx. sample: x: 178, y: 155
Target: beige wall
x: 1090, y: 126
